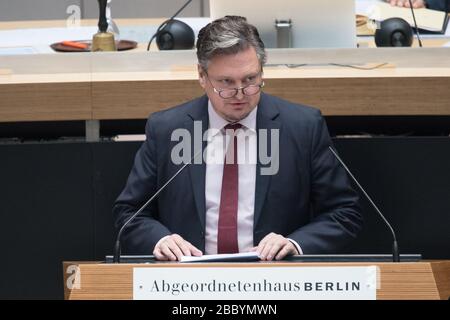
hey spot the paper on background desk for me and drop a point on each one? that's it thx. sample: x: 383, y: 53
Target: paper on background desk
x: 29, y: 37
x: 17, y: 50
x: 364, y: 7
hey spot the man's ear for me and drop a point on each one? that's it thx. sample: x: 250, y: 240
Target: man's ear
x: 201, y: 76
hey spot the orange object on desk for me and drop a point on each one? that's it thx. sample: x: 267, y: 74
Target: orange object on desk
x: 75, y: 44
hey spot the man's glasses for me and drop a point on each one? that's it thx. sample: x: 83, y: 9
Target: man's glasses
x: 248, y: 90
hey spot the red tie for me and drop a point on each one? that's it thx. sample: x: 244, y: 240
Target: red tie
x: 227, y: 239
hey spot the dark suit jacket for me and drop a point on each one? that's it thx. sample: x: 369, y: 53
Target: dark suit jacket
x: 437, y: 4
x: 309, y: 200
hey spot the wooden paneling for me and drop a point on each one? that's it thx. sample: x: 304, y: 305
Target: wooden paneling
x: 367, y: 96
x: 138, y: 99
x: 45, y: 101
x: 441, y: 272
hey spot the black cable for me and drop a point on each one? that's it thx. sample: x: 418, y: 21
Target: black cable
x: 162, y: 25
x: 415, y: 23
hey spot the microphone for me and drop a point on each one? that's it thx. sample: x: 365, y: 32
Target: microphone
x: 116, y: 257
x: 165, y: 23
x: 394, y: 32
x: 415, y: 23
x: 395, y: 252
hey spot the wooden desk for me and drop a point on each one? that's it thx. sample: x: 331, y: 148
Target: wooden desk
x: 102, y: 86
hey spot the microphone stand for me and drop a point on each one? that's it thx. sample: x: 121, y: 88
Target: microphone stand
x: 117, y: 247
x: 395, y: 251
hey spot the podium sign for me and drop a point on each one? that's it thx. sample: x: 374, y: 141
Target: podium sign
x: 259, y: 283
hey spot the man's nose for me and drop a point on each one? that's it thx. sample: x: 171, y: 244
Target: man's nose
x: 240, y: 94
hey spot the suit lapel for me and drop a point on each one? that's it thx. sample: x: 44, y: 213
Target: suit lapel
x: 197, y: 169
x: 267, y: 119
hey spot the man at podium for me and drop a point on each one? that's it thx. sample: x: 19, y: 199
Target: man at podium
x: 264, y: 180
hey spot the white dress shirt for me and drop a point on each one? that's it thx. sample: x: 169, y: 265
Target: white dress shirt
x: 246, y: 155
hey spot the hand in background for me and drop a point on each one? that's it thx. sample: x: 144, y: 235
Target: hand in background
x: 405, y: 3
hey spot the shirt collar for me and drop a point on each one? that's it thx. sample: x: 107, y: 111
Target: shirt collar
x: 217, y: 122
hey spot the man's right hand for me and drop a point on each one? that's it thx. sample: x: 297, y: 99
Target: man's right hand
x: 173, y: 247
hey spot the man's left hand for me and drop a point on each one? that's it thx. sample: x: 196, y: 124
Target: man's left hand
x: 275, y: 246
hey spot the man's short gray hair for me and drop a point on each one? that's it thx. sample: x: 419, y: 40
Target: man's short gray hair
x: 228, y: 35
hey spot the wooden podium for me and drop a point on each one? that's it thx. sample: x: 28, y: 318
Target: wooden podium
x: 405, y: 280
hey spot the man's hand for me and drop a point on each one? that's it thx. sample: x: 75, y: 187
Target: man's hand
x: 173, y: 247
x: 405, y: 3
x: 275, y: 246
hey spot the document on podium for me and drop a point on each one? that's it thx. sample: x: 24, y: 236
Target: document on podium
x: 232, y: 257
